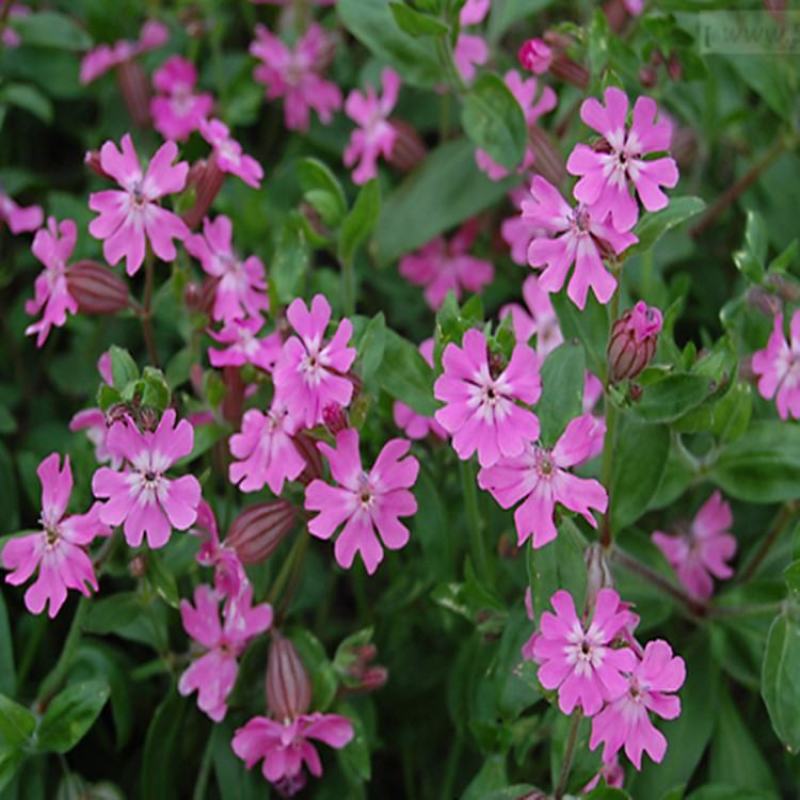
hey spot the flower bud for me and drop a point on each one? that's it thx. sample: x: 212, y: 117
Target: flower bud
x: 147, y: 419
x: 206, y: 178
x: 408, y: 149
x: 233, y: 401
x: 598, y: 572
x: 535, y: 55
x: 135, y: 89
x: 307, y: 447
x: 334, y: 417
x: 92, y: 162
x: 633, y: 341
x: 256, y: 533
x: 547, y: 159
x: 97, y: 289
x: 288, y: 684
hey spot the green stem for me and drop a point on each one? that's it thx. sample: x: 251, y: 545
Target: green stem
x: 569, y: 756
x: 348, y: 287
x: 300, y: 544
x: 451, y: 767
x: 294, y: 578
x: 611, y: 412
x: 201, y: 784
x: 477, y: 544
x: 147, y: 312
x: 779, y: 524
x: 56, y: 676
x: 445, y: 53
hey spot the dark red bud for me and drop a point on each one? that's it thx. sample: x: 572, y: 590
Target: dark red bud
x: 256, y: 533
x: 674, y: 67
x: 408, y: 149
x: 307, y: 447
x: 598, y: 572
x: 138, y: 566
x: 288, y: 684
x: 92, y: 161
x: 147, y: 419
x: 96, y: 288
x: 633, y: 341
x: 206, y: 178
x: 135, y: 89
x: 233, y: 401
x: 547, y: 157
x: 648, y: 76
x: 334, y: 417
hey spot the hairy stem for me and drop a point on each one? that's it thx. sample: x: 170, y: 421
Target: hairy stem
x: 611, y: 412
x: 477, y: 545
x: 569, y: 756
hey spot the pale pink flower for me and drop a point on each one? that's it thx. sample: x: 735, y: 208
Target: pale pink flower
x: 579, y: 659
x: 517, y: 231
x: 265, y: 451
x: 311, y: 373
x: 244, y: 346
x: 703, y: 550
x: 471, y: 50
x: 414, y: 425
x: 229, y: 575
x: 625, y: 722
x: 579, y: 237
x: 607, y: 169
x: 53, y: 246
x: 441, y: 267
x: 482, y: 411
x: 105, y: 57
x: 296, y: 75
x: 18, y: 218
x: 241, y: 290
x: 369, y: 504
x: 213, y: 675
x: 541, y: 476
x: 778, y: 368
x: 59, y: 549
x: 535, y: 55
x: 93, y: 420
x: 375, y: 134
x: 228, y: 154
x: 131, y: 217
x: 537, y: 317
x: 141, y: 497
x: 177, y: 110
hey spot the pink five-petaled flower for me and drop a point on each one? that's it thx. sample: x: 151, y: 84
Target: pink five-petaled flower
x: 701, y: 552
x: 266, y: 452
x: 579, y: 236
x: 606, y: 169
x: 375, y: 135
x: 541, y: 477
x: 538, y: 317
x: 365, y: 502
x: 93, y: 420
x: 58, y: 549
x: 229, y: 575
x: 177, y: 110
x: 517, y: 231
x: 53, y: 246
x: 626, y: 722
x: 414, y: 425
x: 481, y: 411
x: 285, y: 746
x: 471, y: 50
x: 778, y: 368
x: 579, y: 659
x: 441, y: 267
x: 295, y: 75
x: 244, y: 345
x: 213, y: 675
x: 228, y: 154
x: 242, y: 287
x: 130, y: 217
x: 141, y: 496
x: 310, y: 373
x: 105, y: 57
x: 18, y: 218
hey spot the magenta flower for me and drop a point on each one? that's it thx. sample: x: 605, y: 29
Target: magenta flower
x: 105, y: 57
x: 778, y: 368
x: 310, y: 373
x: 517, y: 231
x: 626, y: 722
x: 541, y: 476
x: 9, y: 37
x: 59, y: 549
x: 482, y: 411
x: 596, y: 423
x: 228, y: 154
x: 579, y: 237
x: 130, y: 217
x: 213, y: 675
x: 471, y: 50
x: 53, y: 246
x: 229, y: 575
x: 141, y: 496
x: 265, y: 451
x: 414, y: 425
x: 701, y: 551
x: 611, y: 772
x: 537, y: 317
x: 245, y: 346
x: 18, y: 218
x: 441, y: 267
x: 632, y: 341
x: 535, y: 55
x: 607, y: 169
x: 375, y: 135
x: 242, y: 287
x: 368, y: 503
x: 578, y: 659
x: 177, y: 110
x: 296, y: 75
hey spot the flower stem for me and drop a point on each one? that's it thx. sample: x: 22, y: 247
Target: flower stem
x: 611, y: 412
x: 289, y: 570
x: 348, y: 287
x: 146, y: 315
x: 201, y: 785
x: 779, y: 524
x: 477, y: 544
x: 569, y: 756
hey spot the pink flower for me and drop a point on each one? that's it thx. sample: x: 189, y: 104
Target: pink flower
x: 579, y: 237
x: 105, y: 57
x: 53, y: 246
x: 229, y: 575
x: 266, y: 452
x: 701, y: 552
x: 626, y: 722
x: 375, y: 135
x: 310, y: 373
x: 141, y: 496
x: 285, y: 746
x: 130, y: 217
x: 178, y: 111
x: 245, y: 346
x: 9, y: 37
x: 517, y: 231
x: 414, y: 425
x: 441, y: 267
x: 632, y: 341
x: 213, y: 675
x: 228, y: 154
x: 607, y: 169
x: 481, y: 411
x: 242, y: 287
x: 536, y: 56
x: 541, y: 477
x: 778, y: 368
x: 368, y: 503
x: 18, y: 218
x: 592, y: 392
x: 295, y: 75
x: 538, y: 317
x: 93, y: 420
x: 471, y: 50
x: 58, y: 550
x: 578, y: 659
x: 612, y: 773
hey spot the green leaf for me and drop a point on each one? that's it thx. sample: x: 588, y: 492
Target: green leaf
x: 750, y: 260
x: 360, y: 222
x: 123, y: 367
x: 289, y: 262
x: 7, y: 422
x: 162, y: 580
x: 780, y: 687
x: 9, y: 494
x: 50, y: 29
x: 415, y: 23
x: 7, y: 673
x: 70, y: 715
x: 16, y: 723
x: 562, y: 390
x: 322, y: 190
x: 506, y: 13
x: 589, y: 326
x: 158, y: 779
x: 371, y: 346
x: 233, y: 782
x: 354, y: 757
x: 493, y: 120
x: 319, y: 666
x: 491, y: 777
x: 653, y: 226
x: 155, y: 391
x: 404, y: 374
x: 719, y: 791
x: 28, y: 98
x: 672, y: 396
x: 607, y: 793
x: 10, y: 761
